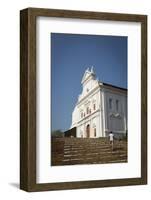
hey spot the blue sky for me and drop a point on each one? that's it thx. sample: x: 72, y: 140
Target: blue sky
x: 71, y: 55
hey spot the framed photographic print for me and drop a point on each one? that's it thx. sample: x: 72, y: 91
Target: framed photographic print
x: 83, y: 99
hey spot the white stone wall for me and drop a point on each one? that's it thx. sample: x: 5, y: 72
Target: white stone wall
x: 115, y: 116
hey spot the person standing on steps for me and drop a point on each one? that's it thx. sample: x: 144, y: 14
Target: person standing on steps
x: 111, y: 139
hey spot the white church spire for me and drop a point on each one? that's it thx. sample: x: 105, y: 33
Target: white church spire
x: 87, y: 69
x: 89, y: 73
x: 92, y: 69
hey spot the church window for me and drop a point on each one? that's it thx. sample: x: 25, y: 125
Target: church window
x: 117, y: 105
x: 90, y: 111
x: 87, y: 110
x: 81, y: 114
x: 110, y: 103
x: 94, y: 106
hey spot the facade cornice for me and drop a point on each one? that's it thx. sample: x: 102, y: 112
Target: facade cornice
x: 89, y: 116
x: 90, y: 93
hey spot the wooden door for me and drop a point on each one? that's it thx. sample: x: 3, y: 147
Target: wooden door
x: 88, y: 131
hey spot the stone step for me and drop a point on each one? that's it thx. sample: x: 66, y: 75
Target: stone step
x: 93, y: 143
x: 85, y: 151
x: 89, y: 146
x: 94, y: 159
x: 91, y: 161
x: 70, y: 151
x: 84, y: 154
x: 90, y: 156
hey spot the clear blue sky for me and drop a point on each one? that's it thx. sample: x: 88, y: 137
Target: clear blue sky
x: 71, y: 55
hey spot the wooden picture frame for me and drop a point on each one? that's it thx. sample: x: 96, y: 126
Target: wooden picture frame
x: 28, y: 98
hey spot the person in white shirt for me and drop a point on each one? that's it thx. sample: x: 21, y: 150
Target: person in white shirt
x: 111, y: 139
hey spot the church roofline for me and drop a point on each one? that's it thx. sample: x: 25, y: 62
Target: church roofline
x: 101, y: 84
x: 113, y: 86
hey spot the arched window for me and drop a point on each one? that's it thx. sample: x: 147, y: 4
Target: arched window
x: 94, y: 106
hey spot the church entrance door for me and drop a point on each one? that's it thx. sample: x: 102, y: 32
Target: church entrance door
x: 88, y: 131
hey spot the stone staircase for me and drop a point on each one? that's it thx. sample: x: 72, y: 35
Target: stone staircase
x: 72, y: 151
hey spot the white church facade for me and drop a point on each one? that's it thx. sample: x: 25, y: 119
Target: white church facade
x: 101, y: 108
